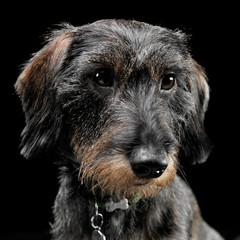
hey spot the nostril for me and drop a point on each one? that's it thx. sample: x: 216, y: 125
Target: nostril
x: 141, y: 170
x: 149, y: 169
x: 159, y: 171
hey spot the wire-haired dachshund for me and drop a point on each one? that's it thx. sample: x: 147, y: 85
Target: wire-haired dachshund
x: 120, y: 104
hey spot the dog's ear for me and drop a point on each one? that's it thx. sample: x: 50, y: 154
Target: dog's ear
x: 195, y: 143
x: 36, y: 87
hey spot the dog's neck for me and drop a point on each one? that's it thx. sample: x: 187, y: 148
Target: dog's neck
x: 75, y: 206
x: 111, y: 203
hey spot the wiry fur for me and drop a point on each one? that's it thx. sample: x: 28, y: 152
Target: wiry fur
x: 93, y: 129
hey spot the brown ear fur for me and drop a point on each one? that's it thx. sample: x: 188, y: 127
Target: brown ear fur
x: 35, y: 86
x: 42, y: 66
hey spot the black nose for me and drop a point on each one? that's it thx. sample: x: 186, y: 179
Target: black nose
x: 148, y: 164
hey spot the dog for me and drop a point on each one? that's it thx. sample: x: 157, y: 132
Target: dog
x: 120, y: 104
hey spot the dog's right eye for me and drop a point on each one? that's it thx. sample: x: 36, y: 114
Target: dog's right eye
x: 103, y: 78
x: 168, y: 81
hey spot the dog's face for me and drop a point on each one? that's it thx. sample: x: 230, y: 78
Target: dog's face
x: 129, y: 97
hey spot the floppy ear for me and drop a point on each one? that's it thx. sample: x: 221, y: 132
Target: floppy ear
x: 36, y: 87
x: 195, y: 143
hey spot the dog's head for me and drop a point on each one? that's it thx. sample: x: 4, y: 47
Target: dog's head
x: 119, y: 90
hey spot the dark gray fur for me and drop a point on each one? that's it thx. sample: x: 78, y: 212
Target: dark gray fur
x: 61, y: 103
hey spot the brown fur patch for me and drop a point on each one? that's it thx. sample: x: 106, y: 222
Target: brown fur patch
x: 41, y: 66
x: 112, y: 172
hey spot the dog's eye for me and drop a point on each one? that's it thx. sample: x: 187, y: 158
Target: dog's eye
x: 168, y: 81
x: 103, y: 78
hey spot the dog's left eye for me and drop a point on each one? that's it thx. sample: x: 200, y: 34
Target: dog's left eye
x: 103, y: 78
x: 168, y: 81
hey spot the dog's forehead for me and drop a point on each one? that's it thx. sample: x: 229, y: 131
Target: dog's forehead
x: 131, y: 32
x: 124, y: 40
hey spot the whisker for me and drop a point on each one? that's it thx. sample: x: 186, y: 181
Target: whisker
x: 183, y: 174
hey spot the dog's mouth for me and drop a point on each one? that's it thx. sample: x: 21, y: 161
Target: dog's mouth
x: 142, y: 183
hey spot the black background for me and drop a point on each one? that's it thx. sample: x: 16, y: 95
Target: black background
x: 28, y: 188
